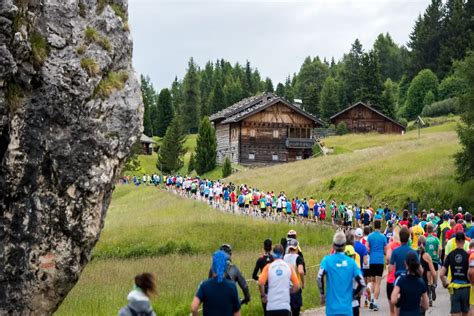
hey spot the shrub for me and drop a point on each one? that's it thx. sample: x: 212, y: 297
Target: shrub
x: 452, y: 86
x: 342, y: 129
x: 424, y: 82
x: 226, y: 168
x: 39, y: 48
x: 14, y: 96
x: 112, y: 82
x: 440, y: 108
x: 403, y: 121
x: 90, y: 66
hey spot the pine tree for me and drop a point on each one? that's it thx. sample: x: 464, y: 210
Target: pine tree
x: 280, y: 90
x: 389, y: 57
x: 165, y: 112
x: 309, y: 83
x: 217, y: 99
x: 330, y: 98
x: 206, y: 148
x: 191, y: 163
x: 426, y: 38
x: 248, y: 82
x: 226, y: 168
x: 148, y: 95
x: 351, y: 72
x: 191, y: 98
x: 371, y: 85
x: 268, y: 85
x: 289, y: 93
x: 424, y: 82
x: 403, y: 86
x: 389, y: 98
x: 170, y: 155
x: 464, y: 161
x: 233, y: 90
x: 177, y: 95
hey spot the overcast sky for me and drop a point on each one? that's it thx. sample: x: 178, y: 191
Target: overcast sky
x: 275, y: 36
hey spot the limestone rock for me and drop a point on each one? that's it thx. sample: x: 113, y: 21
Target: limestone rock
x: 70, y: 111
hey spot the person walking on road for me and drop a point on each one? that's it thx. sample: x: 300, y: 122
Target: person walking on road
x: 457, y: 263
x: 410, y: 293
x: 376, y: 243
x: 262, y: 261
x: 218, y: 295
x: 282, y: 280
x: 340, y: 272
x: 429, y: 272
x: 392, y: 245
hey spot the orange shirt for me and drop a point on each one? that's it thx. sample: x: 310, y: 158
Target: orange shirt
x: 311, y: 203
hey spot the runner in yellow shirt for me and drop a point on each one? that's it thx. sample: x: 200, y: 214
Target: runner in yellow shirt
x: 416, y: 232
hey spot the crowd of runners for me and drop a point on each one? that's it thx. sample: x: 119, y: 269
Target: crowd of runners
x: 414, y: 250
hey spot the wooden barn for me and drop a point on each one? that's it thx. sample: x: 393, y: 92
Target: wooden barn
x: 264, y: 129
x: 361, y: 118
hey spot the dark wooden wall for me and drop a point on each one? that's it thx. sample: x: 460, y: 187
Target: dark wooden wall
x: 361, y: 119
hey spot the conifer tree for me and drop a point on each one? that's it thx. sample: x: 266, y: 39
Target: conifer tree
x: 165, y: 112
x: 248, y: 82
x: 330, y: 98
x: 403, y: 86
x: 351, y: 72
x: 177, y: 95
x: 206, y: 148
x: 389, y: 98
x: 217, y: 99
x: 268, y: 85
x: 226, y: 168
x: 464, y: 161
x: 170, y: 155
x: 389, y: 57
x: 191, y: 163
x: 191, y: 98
x: 148, y: 96
x: 371, y: 85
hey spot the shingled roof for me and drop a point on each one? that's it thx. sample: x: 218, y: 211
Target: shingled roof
x: 370, y: 108
x: 252, y: 105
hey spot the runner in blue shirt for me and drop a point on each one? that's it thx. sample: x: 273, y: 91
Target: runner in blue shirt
x: 376, y: 243
x: 340, y: 271
x: 397, y: 260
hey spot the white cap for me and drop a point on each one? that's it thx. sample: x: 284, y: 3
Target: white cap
x: 358, y: 232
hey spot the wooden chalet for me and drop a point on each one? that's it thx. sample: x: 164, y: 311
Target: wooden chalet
x: 264, y: 129
x: 147, y: 144
x: 361, y: 118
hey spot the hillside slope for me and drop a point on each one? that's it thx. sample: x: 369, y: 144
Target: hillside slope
x: 375, y: 169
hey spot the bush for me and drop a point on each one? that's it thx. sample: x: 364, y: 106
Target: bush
x: 452, y: 86
x: 342, y: 129
x: 226, y: 168
x: 403, y: 121
x: 440, y: 108
x: 90, y: 66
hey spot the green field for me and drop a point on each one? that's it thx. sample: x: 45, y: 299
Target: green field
x: 151, y: 230
x: 373, y: 169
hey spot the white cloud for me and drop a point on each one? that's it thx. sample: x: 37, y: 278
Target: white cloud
x: 275, y: 36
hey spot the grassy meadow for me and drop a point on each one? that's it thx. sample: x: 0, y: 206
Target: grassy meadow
x: 150, y: 230
x: 375, y: 168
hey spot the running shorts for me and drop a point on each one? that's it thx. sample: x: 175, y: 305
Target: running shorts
x: 376, y: 270
x: 390, y: 288
x: 460, y: 300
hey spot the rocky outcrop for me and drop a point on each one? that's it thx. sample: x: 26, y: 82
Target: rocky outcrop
x: 70, y: 110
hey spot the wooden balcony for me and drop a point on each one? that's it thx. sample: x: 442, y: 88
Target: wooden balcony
x: 300, y: 142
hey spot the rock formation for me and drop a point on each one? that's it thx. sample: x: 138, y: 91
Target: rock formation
x: 70, y: 111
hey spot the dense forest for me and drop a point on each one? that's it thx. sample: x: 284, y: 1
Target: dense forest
x: 402, y: 81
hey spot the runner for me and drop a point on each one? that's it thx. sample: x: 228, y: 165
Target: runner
x: 218, y: 295
x: 457, y: 262
x: 139, y: 297
x: 410, y: 291
x: 282, y: 280
x: 376, y: 243
x: 339, y: 272
x: 433, y: 247
x: 295, y: 261
x: 429, y: 273
x: 262, y: 261
x: 397, y: 259
x: 416, y: 232
x: 393, y: 244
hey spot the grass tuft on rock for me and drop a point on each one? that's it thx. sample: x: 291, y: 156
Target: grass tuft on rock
x: 82, y: 9
x: 115, y: 81
x: 39, y: 48
x: 119, y: 11
x: 90, y: 66
x: 92, y: 35
x: 81, y: 49
x: 14, y: 96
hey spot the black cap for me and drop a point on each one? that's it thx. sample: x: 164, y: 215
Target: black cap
x: 267, y: 245
x: 460, y: 236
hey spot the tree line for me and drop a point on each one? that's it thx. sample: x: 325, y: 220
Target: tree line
x: 423, y: 77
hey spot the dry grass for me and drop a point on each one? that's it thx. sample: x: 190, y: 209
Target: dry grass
x: 91, y: 35
x: 114, y: 81
x: 90, y: 66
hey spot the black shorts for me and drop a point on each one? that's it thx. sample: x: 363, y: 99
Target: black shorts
x: 376, y: 270
x: 241, y: 205
x: 280, y: 312
x: 460, y: 300
x: 279, y: 209
x: 390, y: 288
x: 366, y: 273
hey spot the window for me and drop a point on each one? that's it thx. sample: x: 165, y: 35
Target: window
x: 252, y: 133
x: 275, y: 157
x: 299, y: 157
x: 275, y: 133
x: 251, y: 156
